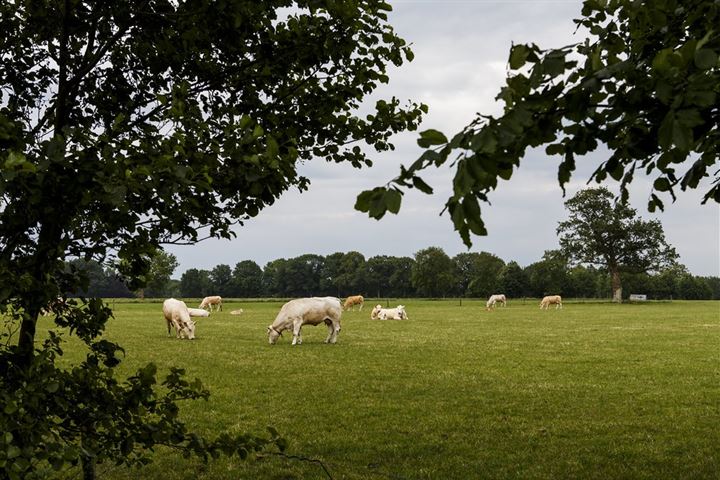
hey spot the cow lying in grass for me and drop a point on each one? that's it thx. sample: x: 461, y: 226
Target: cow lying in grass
x: 311, y: 311
x: 397, y: 313
x: 177, y: 316
x: 551, y: 300
x: 198, y: 312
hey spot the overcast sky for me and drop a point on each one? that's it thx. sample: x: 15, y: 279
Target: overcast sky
x: 461, y: 50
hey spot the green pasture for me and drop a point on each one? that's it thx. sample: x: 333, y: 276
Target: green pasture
x: 594, y: 390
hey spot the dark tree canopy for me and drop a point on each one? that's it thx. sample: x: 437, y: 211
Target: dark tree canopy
x: 602, y: 233
x: 434, y: 274
x: 132, y: 123
x: 645, y: 84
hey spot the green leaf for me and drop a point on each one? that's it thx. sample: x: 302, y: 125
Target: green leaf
x: 431, y: 137
x: 421, y: 185
x: 705, y: 59
x: 392, y: 199
x: 518, y: 56
x: 484, y: 142
x: 555, y: 149
x: 661, y: 184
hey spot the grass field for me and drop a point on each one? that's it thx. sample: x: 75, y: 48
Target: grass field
x: 591, y: 391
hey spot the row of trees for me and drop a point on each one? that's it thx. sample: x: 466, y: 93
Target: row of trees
x: 429, y: 273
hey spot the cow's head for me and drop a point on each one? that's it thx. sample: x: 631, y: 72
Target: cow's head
x: 273, y: 335
x: 375, y: 311
x: 187, y: 330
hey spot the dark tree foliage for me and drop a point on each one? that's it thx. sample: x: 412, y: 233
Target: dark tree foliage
x: 162, y: 266
x: 512, y: 281
x: 478, y: 273
x: 195, y: 283
x: 434, y: 274
x: 221, y: 279
x: 644, y: 84
x: 549, y: 275
x: 248, y: 279
x: 102, y: 282
x: 132, y: 123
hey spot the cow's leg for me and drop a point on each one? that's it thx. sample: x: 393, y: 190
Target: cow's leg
x: 297, y: 336
x: 331, y: 331
x: 335, y: 326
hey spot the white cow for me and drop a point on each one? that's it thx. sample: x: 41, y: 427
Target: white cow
x: 551, y: 300
x: 210, y: 302
x: 312, y: 311
x: 198, y: 312
x: 499, y: 297
x: 350, y: 302
x: 177, y: 316
x: 397, y: 313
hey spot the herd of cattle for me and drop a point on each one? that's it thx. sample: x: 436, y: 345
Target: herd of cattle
x: 304, y: 311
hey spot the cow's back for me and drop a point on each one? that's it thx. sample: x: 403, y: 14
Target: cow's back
x: 312, y: 310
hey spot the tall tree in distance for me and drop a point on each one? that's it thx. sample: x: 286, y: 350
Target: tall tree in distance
x: 221, y: 279
x: 248, y: 279
x: 131, y: 124
x: 608, y: 234
x: 645, y: 84
x: 162, y: 266
x: 433, y: 274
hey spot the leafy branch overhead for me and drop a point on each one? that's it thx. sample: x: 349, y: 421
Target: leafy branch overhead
x: 645, y: 84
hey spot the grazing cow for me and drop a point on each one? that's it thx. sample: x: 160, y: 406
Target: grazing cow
x: 551, y: 300
x: 397, y: 313
x: 312, y: 311
x: 198, y: 312
x: 210, y: 302
x: 495, y: 299
x: 354, y: 300
x: 177, y: 316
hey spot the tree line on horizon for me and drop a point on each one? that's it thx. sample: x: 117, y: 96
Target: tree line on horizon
x: 430, y: 273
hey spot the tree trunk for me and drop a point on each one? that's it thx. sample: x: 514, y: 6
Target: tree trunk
x: 616, y: 286
x: 88, y: 468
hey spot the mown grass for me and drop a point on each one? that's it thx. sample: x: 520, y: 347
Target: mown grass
x: 591, y: 391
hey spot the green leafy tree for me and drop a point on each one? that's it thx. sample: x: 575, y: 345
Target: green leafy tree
x: 645, y: 84
x: 195, y: 283
x: 102, y: 282
x: 582, y: 281
x: 221, y: 279
x: 434, y: 273
x: 713, y: 284
x: 512, y: 280
x: 302, y: 276
x: 478, y: 273
x: 274, y: 278
x: 130, y: 124
x: 247, y: 279
x: 380, y: 269
x: 401, y: 284
x: 162, y: 266
x: 329, y: 276
x: 351, y: 273
x: 693, y: 288
x: 606, y: 234
x: 549, y: 276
